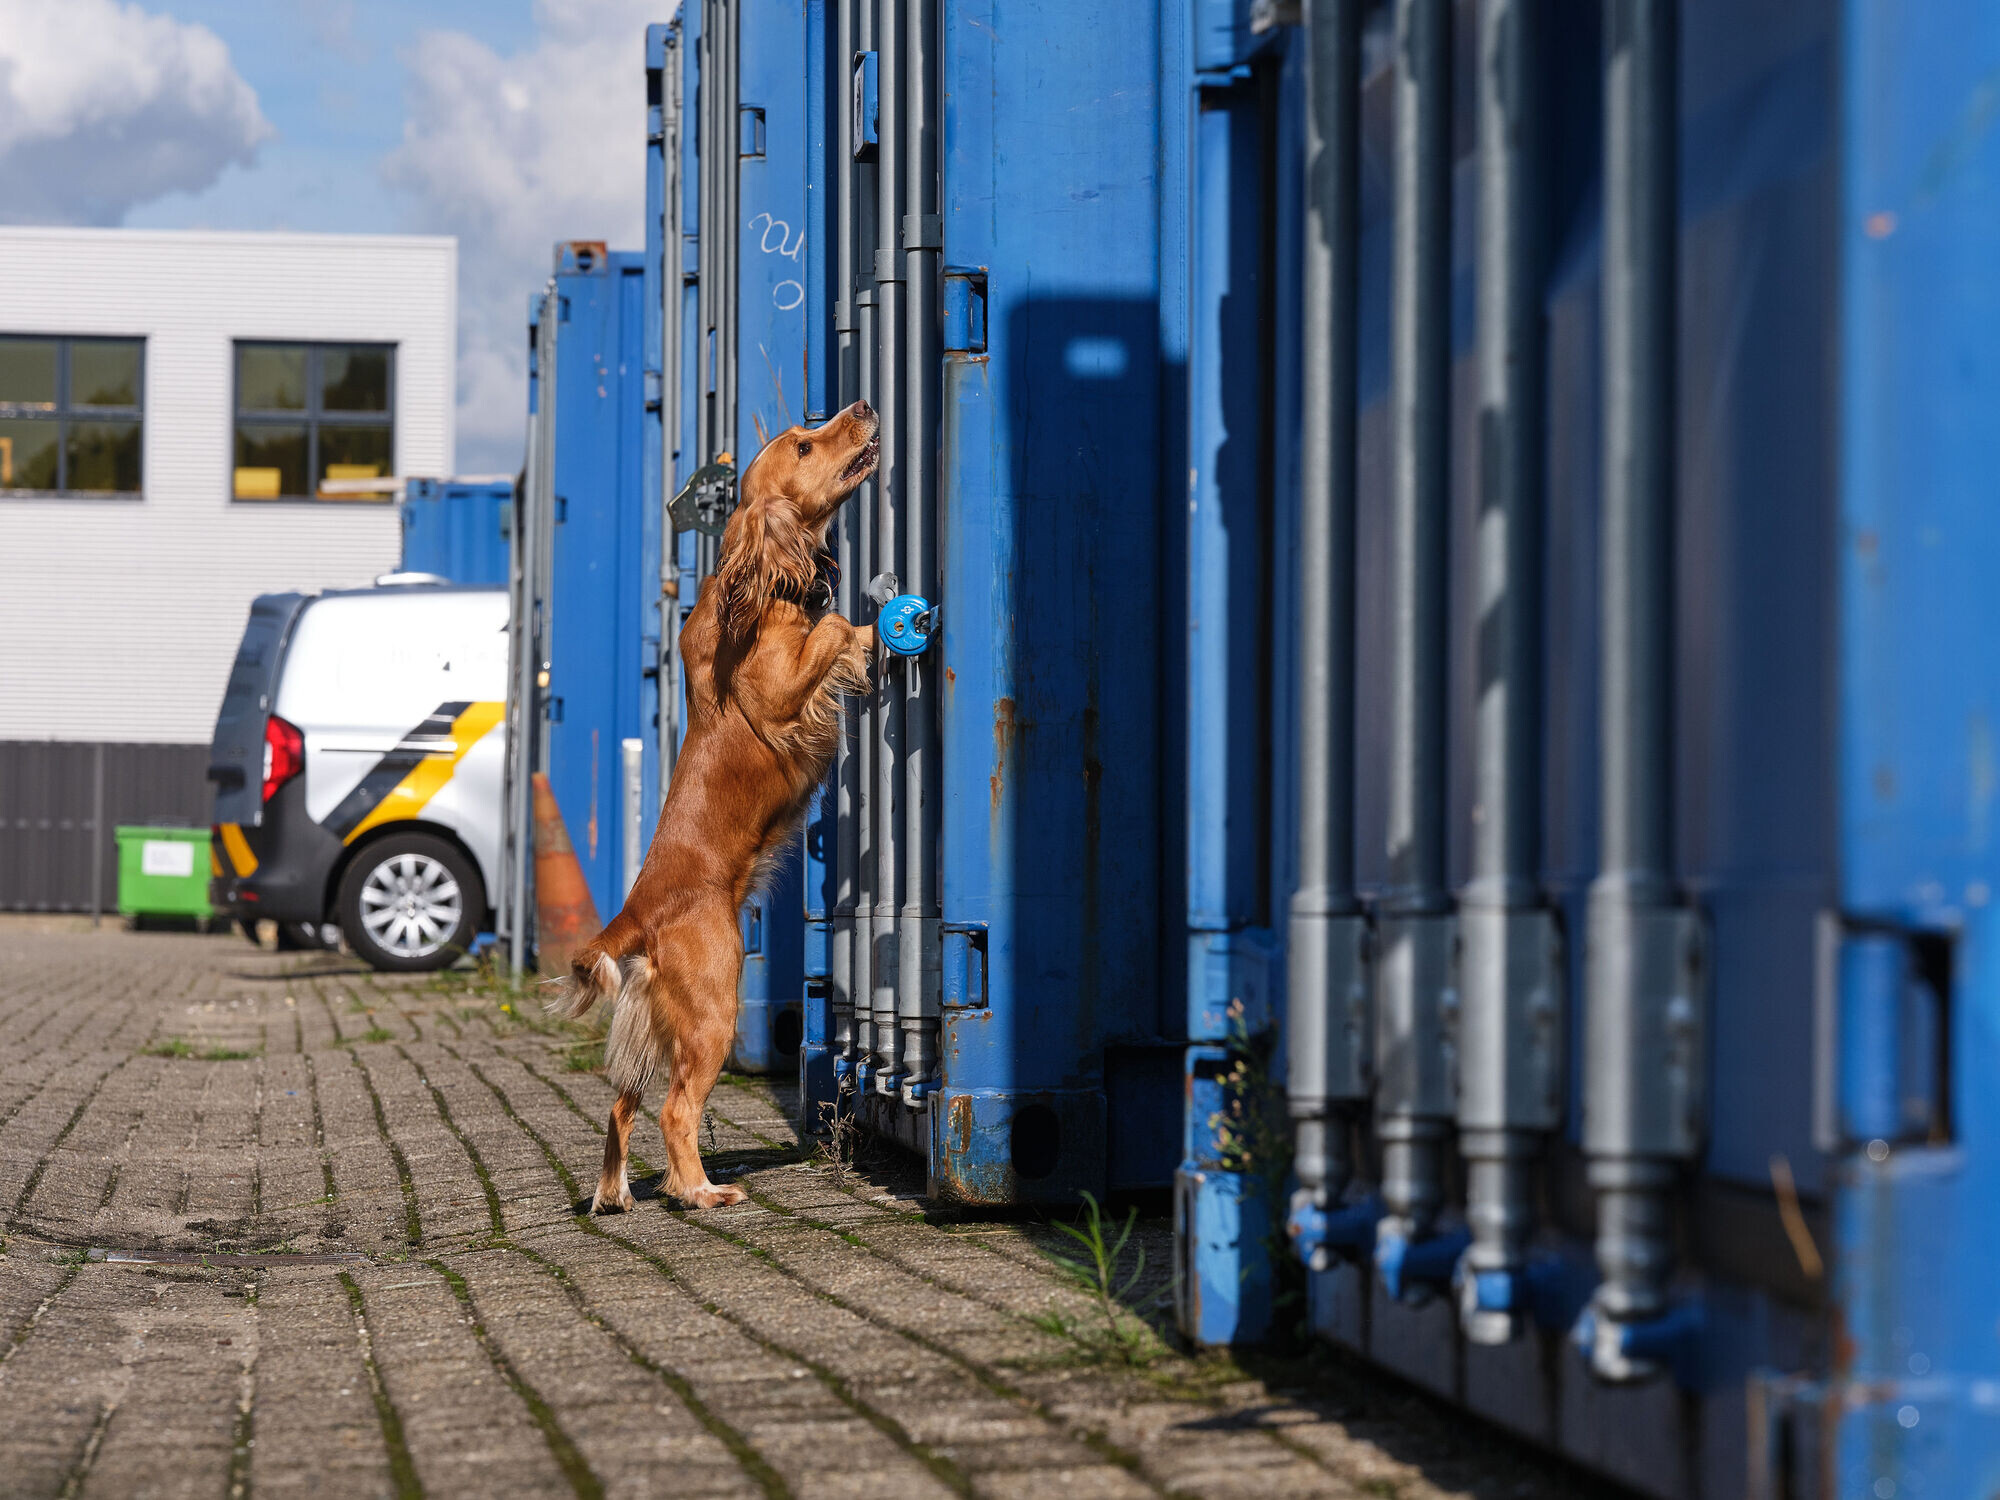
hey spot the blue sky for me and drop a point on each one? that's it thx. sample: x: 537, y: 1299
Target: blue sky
x: 509, y: 124
x: 330, y: 77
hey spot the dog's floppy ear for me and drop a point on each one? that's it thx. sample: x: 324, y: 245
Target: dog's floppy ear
x: 770, y: 551
x: 737, y: 594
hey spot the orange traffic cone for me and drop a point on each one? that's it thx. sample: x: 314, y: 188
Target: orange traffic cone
x: 565, y: 916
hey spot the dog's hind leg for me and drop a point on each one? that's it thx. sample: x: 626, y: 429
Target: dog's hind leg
x: 613, y: 1195
x: 700, y: 1005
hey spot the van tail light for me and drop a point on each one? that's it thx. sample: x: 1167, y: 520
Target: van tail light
x: 284, y: 754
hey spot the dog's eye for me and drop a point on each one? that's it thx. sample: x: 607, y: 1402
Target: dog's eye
x: 804, y: 449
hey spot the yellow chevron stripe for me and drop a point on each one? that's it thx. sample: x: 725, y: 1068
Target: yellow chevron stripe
x: 238, y: 847
x: 428, y: 777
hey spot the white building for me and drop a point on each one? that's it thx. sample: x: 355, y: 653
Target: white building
x: 169, y: 404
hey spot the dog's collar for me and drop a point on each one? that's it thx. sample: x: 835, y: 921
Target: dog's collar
x: 819, y: 593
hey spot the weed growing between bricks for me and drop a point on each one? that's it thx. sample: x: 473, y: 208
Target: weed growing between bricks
x: 493, y: 1214
x: 80, y: 1470
x: 402, y: 1469
x: 180, y: 1046
x: 1100, y: 1271
x: 42, y: 1164
x: 240, y: 1438
x: 319, y: 1126
x: 569, y: 1458
x: 940, y: 1465
x: 413, y: 1225
x: 753, y: 1463
x: 18, y: 1335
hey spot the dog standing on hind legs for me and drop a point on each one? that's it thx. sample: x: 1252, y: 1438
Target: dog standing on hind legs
x: 766, y: 662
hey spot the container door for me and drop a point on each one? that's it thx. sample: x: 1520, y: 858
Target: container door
x: 236, y: 755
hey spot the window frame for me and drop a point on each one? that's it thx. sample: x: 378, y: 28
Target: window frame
x: 62, y: 413
x: 312, y: 416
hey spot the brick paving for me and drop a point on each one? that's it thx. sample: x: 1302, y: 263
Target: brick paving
x: 430, y: 1315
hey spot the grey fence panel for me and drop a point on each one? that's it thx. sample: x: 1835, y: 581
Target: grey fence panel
x: 52, y: 833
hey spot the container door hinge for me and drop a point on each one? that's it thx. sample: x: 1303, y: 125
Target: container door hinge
x: 963, y: 983
x: 965, y: 309
x: 1881, y: 1037
x: 866, y: 106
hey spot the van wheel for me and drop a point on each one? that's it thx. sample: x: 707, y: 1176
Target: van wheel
x: 410, y: 902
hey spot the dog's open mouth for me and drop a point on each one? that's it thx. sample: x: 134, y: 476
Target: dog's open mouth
x: 864, y: 461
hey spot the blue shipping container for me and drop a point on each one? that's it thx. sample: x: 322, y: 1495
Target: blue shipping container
x: 598, y: 622
x: 458, y: 528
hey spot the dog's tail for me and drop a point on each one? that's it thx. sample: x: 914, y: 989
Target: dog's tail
x: 593, y: 976
x: 593, y: 973
x: 632, y: 1050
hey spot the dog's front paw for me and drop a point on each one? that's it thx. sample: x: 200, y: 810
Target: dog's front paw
x: 857, y: 662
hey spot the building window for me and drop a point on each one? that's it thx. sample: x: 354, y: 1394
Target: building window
x: 310, y: 413
x: 71, y: 415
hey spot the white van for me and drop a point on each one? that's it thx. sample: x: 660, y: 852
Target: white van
x: 357, y: 764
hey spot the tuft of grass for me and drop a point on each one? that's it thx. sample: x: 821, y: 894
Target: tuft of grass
x: 584, y: 1057
x: 1100, y: 1271
x: 180, y: 1046
x: 377, y: 1034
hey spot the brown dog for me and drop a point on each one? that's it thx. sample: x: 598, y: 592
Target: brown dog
x: 765, y: 662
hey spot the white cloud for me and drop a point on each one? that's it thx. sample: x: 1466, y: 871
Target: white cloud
x: 104, y: 106
x: 511, y: 154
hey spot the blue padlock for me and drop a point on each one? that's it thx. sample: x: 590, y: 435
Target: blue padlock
x: 907, y: 621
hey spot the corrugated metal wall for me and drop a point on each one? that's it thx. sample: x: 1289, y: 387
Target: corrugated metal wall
x: 118, y: 618
x: 49, y: 823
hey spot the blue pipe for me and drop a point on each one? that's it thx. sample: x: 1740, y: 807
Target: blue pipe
x: 1547, y: 1290
x: 1669, y: 1342
x: 1415, y: 1269
x: 1317, y: 1233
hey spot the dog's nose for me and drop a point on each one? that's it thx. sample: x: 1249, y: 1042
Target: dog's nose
x: 862, y: 409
